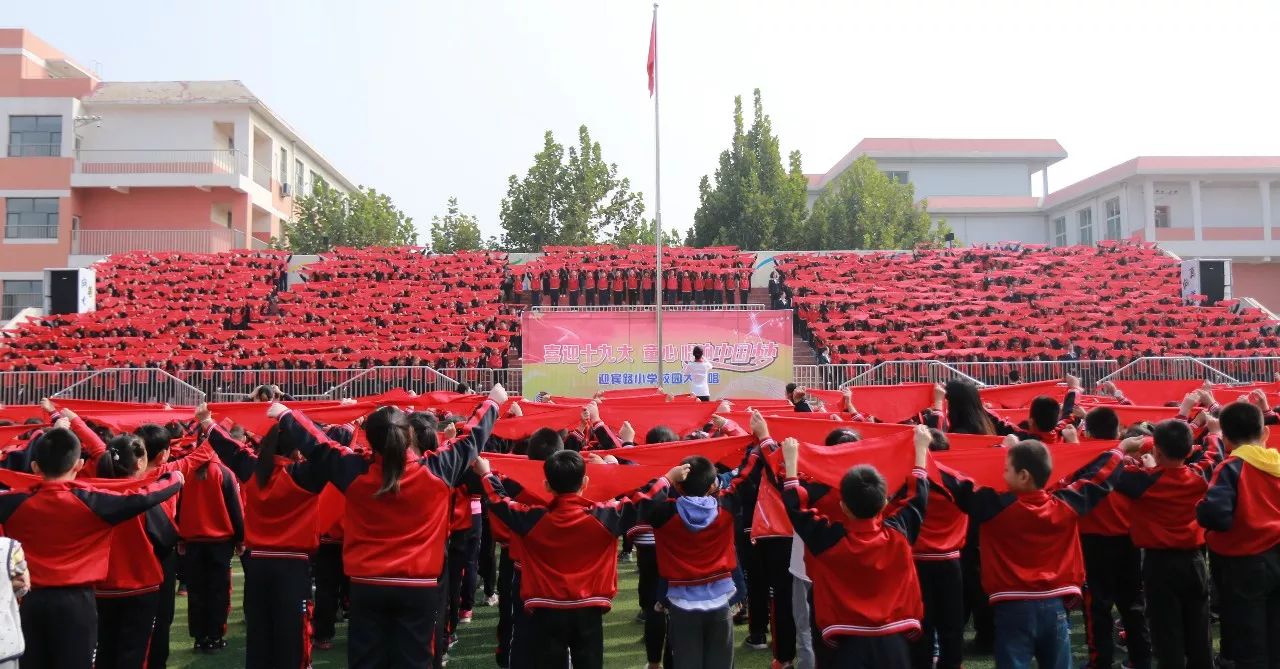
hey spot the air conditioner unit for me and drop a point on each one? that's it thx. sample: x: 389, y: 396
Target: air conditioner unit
x: 285, y: 190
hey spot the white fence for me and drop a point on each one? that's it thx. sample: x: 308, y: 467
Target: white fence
x: 190, y: 387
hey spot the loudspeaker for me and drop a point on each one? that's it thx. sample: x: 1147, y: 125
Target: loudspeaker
x: 70, y: 290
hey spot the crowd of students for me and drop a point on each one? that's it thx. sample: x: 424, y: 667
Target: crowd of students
x: 1116, y: 301
x: 608, y: 276
x: 1009, y: 518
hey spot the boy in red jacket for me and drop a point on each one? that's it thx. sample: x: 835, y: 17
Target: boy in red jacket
x: 1175, y: 579
x: 1241, y: 515
x: 65, y: 527
x: 866, y: 598
x: 570, y: 573
x: 1031, y: 566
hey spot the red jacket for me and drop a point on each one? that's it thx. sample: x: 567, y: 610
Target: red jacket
x: 864, y: 582
x: 1030, y: 541
x: 688, y: 556
x: 65, y: 527
x: 1241, y: 509
x: 209, y: 509
x: 568, y: 547
x: 394, y: 539
x: 633, y: 282
x: 943, y: 532
x: 1163, y: 506
x: 280, y: 517
x: 672, y: 282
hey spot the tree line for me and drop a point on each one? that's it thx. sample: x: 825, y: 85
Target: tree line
x: 572, y: 196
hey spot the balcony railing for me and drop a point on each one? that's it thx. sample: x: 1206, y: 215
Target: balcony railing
x: 262, y: 175
x: 107, y: 242
x: 35, y: 150
x: 169, y: 161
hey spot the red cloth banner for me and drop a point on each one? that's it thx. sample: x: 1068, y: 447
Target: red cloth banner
x: 1156, y: 393
x: 605, y: 481
x: 1019, y: 396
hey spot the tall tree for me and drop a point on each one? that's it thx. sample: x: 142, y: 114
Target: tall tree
x: 865, y: 209
x: 641, y: 232
x: 756, y: 202
x: 455, y: 231
x: 570, y: 200
x: 326, y: 218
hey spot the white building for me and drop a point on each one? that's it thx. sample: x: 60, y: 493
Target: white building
x: 1195, y: 207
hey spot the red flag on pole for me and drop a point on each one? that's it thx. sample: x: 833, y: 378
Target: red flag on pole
x: 652, y: 65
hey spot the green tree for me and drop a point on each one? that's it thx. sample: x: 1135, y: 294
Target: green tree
x: 864, y: 209
x: 755, y: 202
x: 455, y: 231
x: 571, y: 199
x: 326, y: 218
x: 641, y: 232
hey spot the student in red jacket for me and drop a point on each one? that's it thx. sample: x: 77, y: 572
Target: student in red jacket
x: 211, y: 525
x: 686, y: 288
x: 396, y: 524
x: 1241, y: 515
x: 575, y: 286
x: 570, y: 573
x: 670, y: 287
x: 744, y: 287
x: 1031, y: 565
x: 1112, y: 567
x: 633, y: 287
x: 646, y: 286
x: 937, y: 557
x: 866, y: 598
x: 65, y: 528
x: 619, y: 288
x: 589, y: 287
x: 129, y: 598
x: 280, y: 537
x: 1175, y: 578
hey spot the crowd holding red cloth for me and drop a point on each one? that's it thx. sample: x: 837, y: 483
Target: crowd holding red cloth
x: 1118, y: 301
x: 607, y: 275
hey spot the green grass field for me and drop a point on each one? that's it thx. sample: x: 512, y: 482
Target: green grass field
x: 624, y: 648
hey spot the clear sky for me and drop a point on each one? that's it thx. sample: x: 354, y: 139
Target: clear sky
x: 427, y: 99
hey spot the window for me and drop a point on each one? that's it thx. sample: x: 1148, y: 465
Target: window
x: 898, y: 176
x: 1162, y: 216
x: 317, y: 180
x: 1113, y: 219
x: 35, y: 136
x: 297, y: 177
x: 1060, y: 231
x: 19, y: 295
x: 1085, y: 217
x: 31, y: 218
x: 284, y: 166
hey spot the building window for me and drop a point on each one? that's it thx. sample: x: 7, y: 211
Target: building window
x: 35, y: 136
x: 1085, y: 218
x: 297, y: 178
x: 31, y: 218
x: 1162, y: 216
x: 284, y: 166
x: 898, y: 176
x: 1060, y: 231
x: 1113, y: 219
x: 19, y: 295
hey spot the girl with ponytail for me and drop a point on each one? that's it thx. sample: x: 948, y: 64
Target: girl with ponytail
x: 396, y: 524
x: 280, y: 535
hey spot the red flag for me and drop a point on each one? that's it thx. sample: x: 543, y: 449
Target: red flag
x: 652, y: 65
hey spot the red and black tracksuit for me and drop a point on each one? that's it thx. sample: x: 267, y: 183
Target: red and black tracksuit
x: 65, y: 529
x: 280, y: 536
x: 1031, y: 548
x: 1175, y: 577
x: 394, y: 543
x: 866, y: 598
x: 211, y: 525
x: 513, y: 649
x: 1241, y: 515
x: 569, y: 571
x: 1113, y: 579
x: 936, y: 551
x: 331, y: 582
x: 129, y: 599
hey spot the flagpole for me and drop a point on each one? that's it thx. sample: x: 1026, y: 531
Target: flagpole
x: 659, y: 281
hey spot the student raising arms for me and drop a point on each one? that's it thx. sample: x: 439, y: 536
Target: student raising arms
x: 397, y: 520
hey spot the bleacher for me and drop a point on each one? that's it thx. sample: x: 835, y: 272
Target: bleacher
x: 1117, y: 301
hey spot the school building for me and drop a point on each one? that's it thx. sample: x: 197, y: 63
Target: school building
x: 96, y: 167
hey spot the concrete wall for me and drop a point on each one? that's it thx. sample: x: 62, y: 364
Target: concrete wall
x: 957, y: 178
x: 990, y: 228
x: 160, y: 208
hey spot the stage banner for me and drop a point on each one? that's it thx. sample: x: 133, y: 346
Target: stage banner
x: 577, y: 353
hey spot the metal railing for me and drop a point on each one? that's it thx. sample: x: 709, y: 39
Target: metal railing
x: 665, y: 307
x: 133, y: 385
x: 165, y: 161
x: 35, y: 150
x: 1247, y: 370
x: 381, y: 379
x: 999, y: 373
x: 1155, y: 369
x: 827, y: 377
x: 31, y: 387
x: 230, y: 385
x: 909, y: 371
x: 107, y: 242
